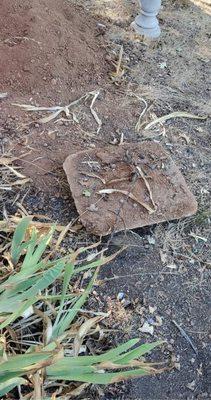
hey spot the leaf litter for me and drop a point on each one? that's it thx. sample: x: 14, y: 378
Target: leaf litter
x: 55, y: 111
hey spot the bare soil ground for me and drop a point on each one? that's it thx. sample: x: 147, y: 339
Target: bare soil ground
x: 53, y: 52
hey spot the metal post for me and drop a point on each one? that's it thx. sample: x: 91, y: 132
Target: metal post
x: 147, y: 23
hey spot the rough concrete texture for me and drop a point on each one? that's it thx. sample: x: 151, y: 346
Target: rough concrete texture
x: 126, y: 187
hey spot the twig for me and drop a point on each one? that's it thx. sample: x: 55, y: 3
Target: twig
x: 147, y: 185
x: 118, y: 67
x: 175, y: 114
x: 94, y: 176
x: 184, y: 334
x: 130, y: 195
x: 138, y: 124
x: 57, y: 110
x: 93, y: 112
x: 141, y: 99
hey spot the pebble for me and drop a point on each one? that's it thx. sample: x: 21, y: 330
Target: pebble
x: 191, y: 385
x: 170, y: 347
x: 120, y: 296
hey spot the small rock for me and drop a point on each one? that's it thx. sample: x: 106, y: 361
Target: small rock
x: 200, y: 370
x: 177, y: 365
x: 126, y: 303
x: 86, y: 193
x: 93, y: 207
x: 120, y: 296
x: 163, y: 65
x: 172, y: 266
x: 170, y: 347
x: 151, y: 321
x: 91, y: 257
x: 147, y: 328
x: 159, y: 321
x: 151, y: 240
x: 152, y: 309
x: 191, y: 385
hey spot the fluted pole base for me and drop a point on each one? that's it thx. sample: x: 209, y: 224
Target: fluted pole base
x: 146, y: 23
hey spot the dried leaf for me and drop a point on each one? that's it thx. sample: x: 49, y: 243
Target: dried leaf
x: 130, y: 195
x: 152, y: 309
x: 93, y: 112
x: 79, y: 390
x: 20, y: 182
x: 147, y: 186
x: 175, y: 114
x: 118, y: 67
x: 141, y: 99
x: 50, y: 117
x: 147, y: 328
x: 15, y: 172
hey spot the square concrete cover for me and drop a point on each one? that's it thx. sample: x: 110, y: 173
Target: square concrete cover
x: 126, y: 187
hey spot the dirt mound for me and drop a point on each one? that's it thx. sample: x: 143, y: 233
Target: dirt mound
x: 48, y: 48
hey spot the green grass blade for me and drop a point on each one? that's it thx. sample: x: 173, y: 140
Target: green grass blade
x: 20, y: 287
x: 17, y: 313
x: 69, y: 268
x: 10, y: 384
x: 98, y: 263
x: 30, y: 295
x: 18, y: 238
x: 20, y: 277
x: 91, y: 360
x: 23, y: 361
x: 14, y: 293
x: 136, y: 353
x: 103, y: 378
x: 30, y: 249
x: 65, y: 322
x: 9, y: 375
x: 7, y: 306
x: 42, y: 283
x: 38, y: 252
x: 57, y: 370
x: 92, y: 265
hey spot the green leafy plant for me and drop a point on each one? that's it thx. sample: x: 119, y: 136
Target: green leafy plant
x: 38, y: 295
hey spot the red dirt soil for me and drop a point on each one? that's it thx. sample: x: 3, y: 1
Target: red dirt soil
x: 48, y: 48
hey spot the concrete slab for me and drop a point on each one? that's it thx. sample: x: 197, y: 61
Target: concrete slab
x: 126, y: 187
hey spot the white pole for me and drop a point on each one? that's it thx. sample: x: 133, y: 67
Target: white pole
x: 146, y: 23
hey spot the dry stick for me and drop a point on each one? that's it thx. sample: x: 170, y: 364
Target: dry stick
x: 37, y: 386
x: 118, y: 67
x: 92, y: 175
x: 129, y: 195
x: 119, y: 211
x: 175, y: 114
x: 56, y: 110
x: 93, y: 112
x: 147, y: 186
x: 184, y: 334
